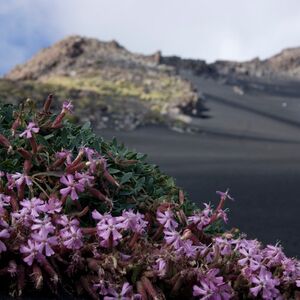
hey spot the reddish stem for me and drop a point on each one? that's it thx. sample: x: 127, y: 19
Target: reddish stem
x: 15, y: 125
x: 149, y: 287
x: 33, y: 145
x: 59, y: 162
x: 89, y: 230
x: 21, y: 191
x: 47, y: 103
x: 4, y: 141
x: 37, y: 276
x: 96, y: 193
x: 26, y: 154
x: 73, y: 168
x: 110, y: 178
x: 57, y: 122
x: 141, y: 290
x: 20, y: 279
x: 27, y: 166
x: 134, y: 240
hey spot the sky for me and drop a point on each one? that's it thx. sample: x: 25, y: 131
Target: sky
x: 203, y: 29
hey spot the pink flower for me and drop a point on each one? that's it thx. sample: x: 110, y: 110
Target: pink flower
x: 172, y: 237
x: 53, y: 206
x: 43, y: 225
x: 210, y: 292
x: 274, y: 255
x: 22, y: 217
x: 32, y: 251
x: 101, y: 286
x: 67, y: 107
x: 223, y: 245
x: 188, y: 249
x: 97, y: 216
x: 246, y: 244
x: 212, y: 286
x: 202, y: 218
x: 250, y: 257
x: 160, y: 267
x: 72, y: 186
x: 72, y: 238
x: 84, y: 179
x: 95, y: 159
x: 208, y: 253
x: 32, y: 207
x: 10, y: 181
x: 4, y: 201
x: 225, y: 195
x: 108, y: 231
x: 133, y: 221
x: 46, y: 242
x: 203, y: 291
x: 222, y: 214
x: 125, y: 294
x: 265, y: 285
x: 211, y: 275
x: 67, y: 223
x: 108, y: 228
x: 65, y: 154
x: 91, y: 154
x: 4, y: 234
x: 21, y: 178
x: 291, y: 269
x: 31, y: 128
x: 166, y: 219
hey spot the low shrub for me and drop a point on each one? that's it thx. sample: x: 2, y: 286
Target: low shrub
x: 91, y: 218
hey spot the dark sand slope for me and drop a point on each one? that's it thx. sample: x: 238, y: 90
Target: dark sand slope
x: 251, y: 144
x: 258, y: 113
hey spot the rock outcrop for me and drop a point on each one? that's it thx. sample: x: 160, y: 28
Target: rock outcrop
x: 285, y: 65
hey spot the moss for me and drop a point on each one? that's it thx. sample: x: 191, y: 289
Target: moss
x: 150, y: 94
x: 160, y: 91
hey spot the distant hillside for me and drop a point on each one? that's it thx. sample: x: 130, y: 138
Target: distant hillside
x: 115, y: 88
x: 285, y: 65
x: 108, y: 84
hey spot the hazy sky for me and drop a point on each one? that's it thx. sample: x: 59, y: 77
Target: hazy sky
x: 206, y: 29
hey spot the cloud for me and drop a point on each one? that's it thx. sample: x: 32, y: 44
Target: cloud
x: 24, y: 29
x: 207, y: 29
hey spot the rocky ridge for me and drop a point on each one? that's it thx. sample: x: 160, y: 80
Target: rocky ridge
x: 118, y: 89
x: 111, y: 86
x: 284, y: 65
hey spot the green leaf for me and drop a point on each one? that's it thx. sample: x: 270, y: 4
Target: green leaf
x: 86, y: 125
x: 126, y: 177
x: 141, y: 156
x: 49, y: 136
x: 113, y: 171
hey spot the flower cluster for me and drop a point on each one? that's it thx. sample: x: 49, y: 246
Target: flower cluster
x: 61, y: 227
x: 109, y: 228
x: 211, y: 286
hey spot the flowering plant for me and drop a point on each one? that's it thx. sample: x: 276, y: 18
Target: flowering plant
x: 82, y: 215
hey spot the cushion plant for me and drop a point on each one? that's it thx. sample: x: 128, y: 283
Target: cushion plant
x: 91, y: 218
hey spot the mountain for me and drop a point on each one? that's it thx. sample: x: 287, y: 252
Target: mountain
x: 284, y: 65
x: 114, y: 88
x: 109, y: 85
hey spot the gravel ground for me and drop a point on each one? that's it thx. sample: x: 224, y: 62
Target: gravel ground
x: 250, y: 144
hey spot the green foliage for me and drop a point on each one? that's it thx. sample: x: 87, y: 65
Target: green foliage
x: 142, y: 185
